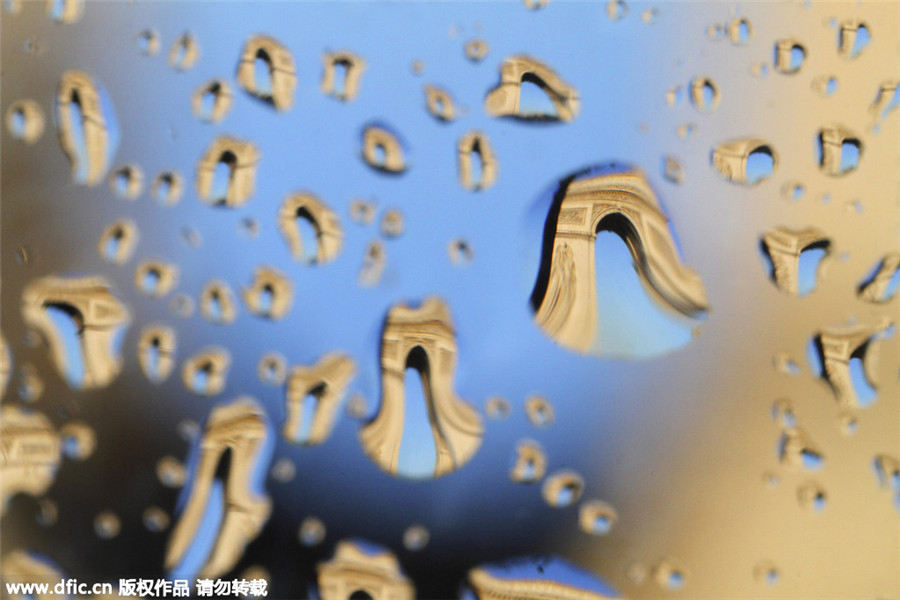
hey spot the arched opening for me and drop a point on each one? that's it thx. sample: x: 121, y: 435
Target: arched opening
x: 760, y: 164
x: 76, y: 135
x: 865, y: 390
x: 360, y: 595
x: 222, y: 177
x: 262, y: 74
x: 476, y: 164
x: 534, y: 99
x: 810, y: 263
x: 69, y: 325
x: 308, y: 230
x: 418, y: 451
x: 340, y: 74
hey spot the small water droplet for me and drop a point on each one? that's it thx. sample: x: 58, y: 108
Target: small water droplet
x: 477, y: 49
x: 270, y: 295
x: 127, y: 182
x: 65, y: 11
x: 226, y: 173
x: 766, y: 572
x: 796, y: 449
x: 704, y: 94
x: 597, y: 517
x: 539, y: 411
x: 674, y: 96
x: 272, y: 368
x: 25, y: 121
x: 283, y: 471
x: 184, y: 52
x: 746, y: 161
x: 373, y: 264
x: 118, y: 241
x: 668, y: 575
x: 789, y: 56
x: 771, y: 480
x: 686, y: 131
x: 616, y: 9
x: 155, y: 519
x: 672, y: 170
x: 562, y: 489
x: 812, y: 497
x: 392, y: 223
x: 853, y: 37
x: 170, y: 472
x: 529, y: 462
x: 217, y: 303
x: 715, y: 32
x: 825, y: 85
x: 636, y: 572
x: 887, y: 98
x: 740, y: 31
x: 206, y: 372
x: 382, y: 149
x: 212, y: 101
x: 341, y: 74
x: 267, y: 71
x: 47, y: 513
x: 793, y: 191
x: 155, y: 278
x: 357, y: 408
x: 191, y: 236
x: 848, y: 423
x: 78, y: 440
x: 497, y: 408
x: 147, y: 42
x: 417, y: 67
x: 31, y: 386
x: 650, y: 16
x: 783, y: 413
x: 760, y: 70
x: 460, y: 252
x: 107, y: 525
x: 311, y: 532
x: 838, y: 150
x: 415, y: 538
x: 883, y: 280
x: 181, y: 305
x: 362, y: 211
x: 167, y: 188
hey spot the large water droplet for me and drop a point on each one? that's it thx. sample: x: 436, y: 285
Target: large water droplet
x: 789, y: 56
x: 882, y: 282
x: 838, y: 151
x: 853, y: 37
x: 267, y: 71
x: 506, y: 100
x: 86, y: 125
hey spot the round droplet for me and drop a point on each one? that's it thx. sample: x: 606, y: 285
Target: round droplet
x: 771, y: 480
x: 107, y: 525
x: 78, y: 440
x: 672, y: 171
x: 838, y: 150
x: 812, y: 497
x: 167, y: 188
x: 217, y: 303
x: 147, y: 42
x: 184, y: 52
x: 181, y: 306
x: 127, y: 182
x: 415, y: 538
x: 356, y: 406
x: 188, y: 430
x: 191, y: 236
x: 686, y: 131
x: 562, y: 489
x: 312, y: 531
x: 477, y: 50
x: 283, y: 470
x: 539, y: 411
x: 616, y: 9
x: 25, y: 121
x: 170, y: 472
x: 272, y: 368
x: 362, y: 212
x: 497, y: 408
x: 783, y: 413
x: 795, y: 449
x: 674, y: 96
x: 212, y: 101
x: 597, y: 517
x: 155, y: 519
x: 766, y: 572
x: 793, y: 191
x: 715, y: 32
x: 249, y: 227
x: 649, y: 16
x: 704, y: 94
x: 760, y: 70
x: 529, y: 462
x: 669, y: 576
x: 740, y: 31
x: 31, y: 386
x: 848, y: 423
x: 47, y: 513
x: 392, y: 223
x: 460, y: 252
x: 417, y: 67
x: 156, y: 278
x: 636, y: 573
x: 789, y: 56
x: 825, y: 85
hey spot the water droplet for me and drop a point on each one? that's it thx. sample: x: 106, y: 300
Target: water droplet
x: 597, y: 517
x: 529, y: 462
x: 795, y: 258
x: 399, y: 438
x: 31, y: 453
x: 535, y: 4
x: 783, y: 413
x: 206, y: 372
x: 636, y: 573
x: 156, y: 352
x: 853, y: 37
x: 188, y: 430
x: 746, y: 161
x: 226, y: 174
x: 107, y: 525
x: 715, y: 32
x: 155, y: 519
x: 562, y: 489
x: 686, y: 131
x: 249, y: 227
x: 86, y: 126
x: 31, y: 386
x: 314, y: 396
x: 127, y: 182
x: 881, y: 284
x: 267, y: 71
x: 539, y: 411
x: 795, y: 449
x: 650, y: 16
x: 373, y: 264
x: 497, y: 408
x: 785, y: 364
x: 848, y: 423
x: 147, y: 42
x: 886, y: 99
x: 191, y: 236
x: 284, y: 470
x: 616, y: 9
x: 812, y: 497
x: 766, y: 572
x: 392, y: 223
x: 118, y: 241
x: 417, y: 67
x: 672, y: 170
x: 825, y: 85
x: 668, y: 575
x: 357, y: 407
x: 341, y: 74
x: 674, y: 96
x: 155, y: 278
x: 65, y: 11
x: 382, y: 149
x: 217, y: 303
x: 760, y: 70
x: 362, y: 212
x: 312, y: 230
x: 82, y: 321
x: 516, y: 71
x: 181, y: 305
x: 47, y: 513
x: 184, y: 52
x: 477, y: 164
x: 170, y: 472
x: 439, y: 103
x: 311, y: 532
x: 789, y: 56
x: 212, y: 101
x: 25, y: 121
x: 460, y: 252
x: 272, y: 368
x: 793, y: 191
x: 415, y: 538
x: 740, y: 31
x: 705, y: 94
x: 270, y: 295
x: 78, y: 440
x: 477, y: 49
x: 771, y: 480
x: 838, y: 355
x: 838, y: 151
x: 232, y: 455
